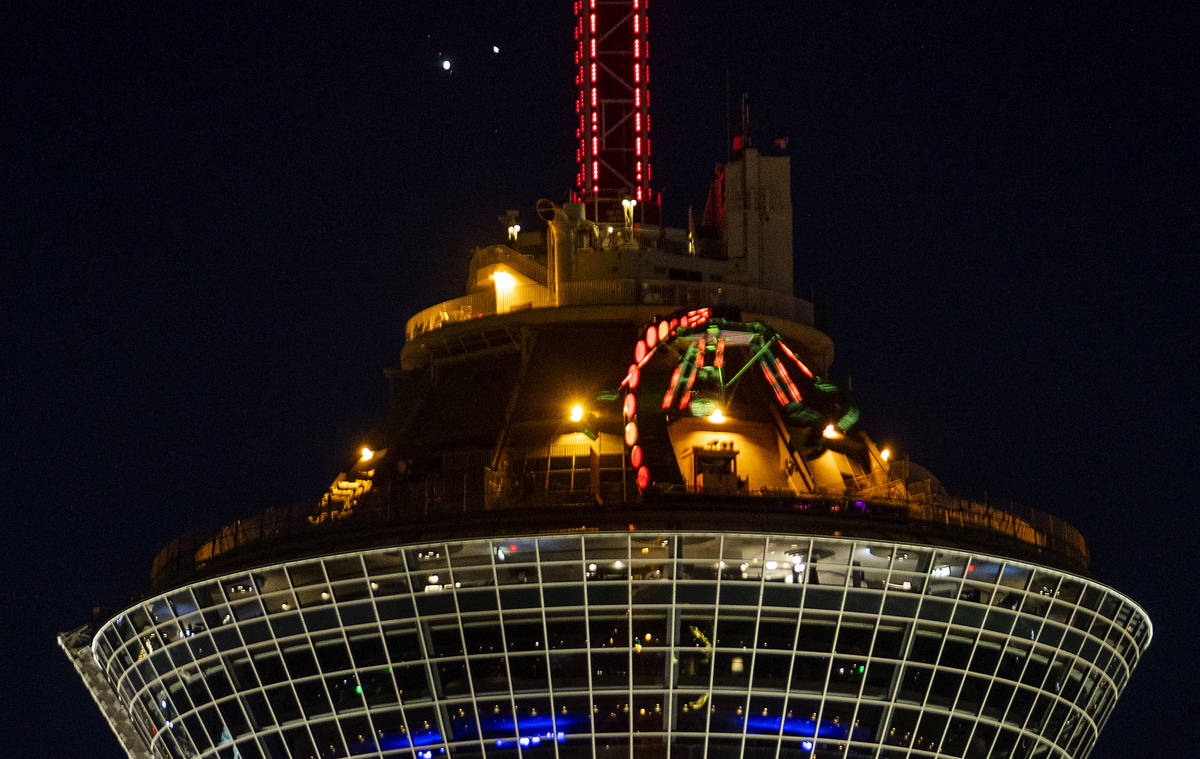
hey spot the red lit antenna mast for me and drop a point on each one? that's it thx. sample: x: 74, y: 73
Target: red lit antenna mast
x: 613, y: 127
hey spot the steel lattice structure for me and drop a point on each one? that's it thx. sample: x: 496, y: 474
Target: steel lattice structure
x: 612, y: 60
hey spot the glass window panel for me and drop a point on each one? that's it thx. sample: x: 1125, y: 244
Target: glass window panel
x: 332, y: 655
x: 900, y: 603
x: 815, y: 635
x: 412, y: 682
x: 936, y: 609
x: 609, y: 631
x: 366, y: 649
x: 306, y: 574
x: 569, y: 671
x: 572, y: 572
x: 650, y: 571
x: 879, y: 679
x: 606, y: 547
x: 520, y: 598
x: 740, y: 594
x: 378, y: 687
x: 534, y: 717
x: 783, y: 595
x: 771, y: 671
x: 445, y: 639
x: 461, y: 721
x: 776, y: 632
x: 765, y: 715
x: 944, y: 688
x: 557, y: 548
x: 701, y: 547
x: 433, y: 603
x: 650, y: 628
x: 735, y: 631
x: 345, y: 693
x: 283, y: 703
x: 298, y: 659
x: 452, y: 675
x: 694, y: 668
x: 358, y: 736
x: 691, y: 712
x: 610, y: 714
x: 355, y: 590
x: 901, y: 726
x: 691, y: 594
x: 383, y: 563
x: 321, y: 619
x: 732, y: 669
x: 524, y: 633
x: 287, y: 625
x: 528, y: 672
x: 809, y: 672
x: 744, y: 550
x: 423, y: 725
x: 649, y: 667
x: 509, y: 573
x: 997, y: 699
x: 914, y: 682
x: 610, y: 669
x: 313, y: 698
x: 562, y: 595
x: 477, y: 600
x: 846, y: 675
x: 566, y: 632
x: 728, y: 715
x: 425, y: 559
x: 489, y: 674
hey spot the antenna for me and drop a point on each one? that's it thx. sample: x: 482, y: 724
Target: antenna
x: 612, y: 59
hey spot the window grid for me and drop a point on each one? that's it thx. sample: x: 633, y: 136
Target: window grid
x: 146, y: 651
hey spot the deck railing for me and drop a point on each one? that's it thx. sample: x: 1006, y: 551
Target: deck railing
x: 437, y: 503
x: 611, y: 292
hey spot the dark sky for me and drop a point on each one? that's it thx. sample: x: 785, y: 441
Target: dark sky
x: 219, y: 217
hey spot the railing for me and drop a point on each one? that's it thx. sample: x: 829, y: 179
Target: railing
x: 451, y: 311
x: 502, y: 254
x: 279, y: 532
x: 612, y: 292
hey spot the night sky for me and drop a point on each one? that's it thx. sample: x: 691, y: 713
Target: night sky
x: 218, y: 219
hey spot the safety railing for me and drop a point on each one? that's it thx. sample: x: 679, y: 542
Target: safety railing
x: 446, y: 499
x: 611, y: 292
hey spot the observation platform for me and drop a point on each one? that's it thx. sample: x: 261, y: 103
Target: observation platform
x: 290, y: 533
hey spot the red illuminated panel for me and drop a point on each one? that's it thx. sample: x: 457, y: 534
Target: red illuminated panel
x: 792, y: 356
x: 643, y: 478
x: 774, y: 383
x: 787, y: 381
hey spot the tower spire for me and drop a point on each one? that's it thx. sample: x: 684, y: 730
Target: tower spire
x: 612, y: 105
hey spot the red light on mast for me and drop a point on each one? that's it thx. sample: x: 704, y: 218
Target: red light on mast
x: 616, y: 34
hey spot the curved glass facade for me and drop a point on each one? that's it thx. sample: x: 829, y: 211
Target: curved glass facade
x: 630, y: 644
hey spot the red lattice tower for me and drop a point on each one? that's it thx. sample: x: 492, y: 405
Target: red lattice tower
x: 612, y: 105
